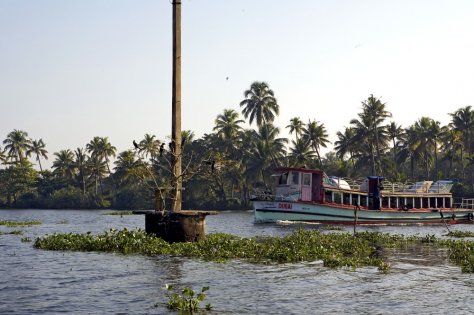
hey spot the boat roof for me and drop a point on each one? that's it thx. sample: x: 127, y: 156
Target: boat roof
x: 297, y: 169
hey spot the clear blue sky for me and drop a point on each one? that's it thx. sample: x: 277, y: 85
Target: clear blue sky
x: 71, y: 70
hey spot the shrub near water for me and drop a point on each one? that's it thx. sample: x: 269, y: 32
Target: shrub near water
x: 335, y: 250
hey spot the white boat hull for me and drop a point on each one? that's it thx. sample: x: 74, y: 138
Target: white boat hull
x: 272, y: 211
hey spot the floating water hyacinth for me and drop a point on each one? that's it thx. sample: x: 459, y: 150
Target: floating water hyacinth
x: 335, y: 250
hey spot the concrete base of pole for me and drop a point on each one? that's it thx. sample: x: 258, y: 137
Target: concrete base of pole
x: 182, y: 226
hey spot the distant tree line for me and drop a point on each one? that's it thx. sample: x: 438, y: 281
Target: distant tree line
x: 222, y: 168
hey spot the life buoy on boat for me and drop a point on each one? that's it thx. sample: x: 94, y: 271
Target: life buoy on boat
x: 470, y: 216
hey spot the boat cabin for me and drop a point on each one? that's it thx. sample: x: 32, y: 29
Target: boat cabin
x: 314, y: 186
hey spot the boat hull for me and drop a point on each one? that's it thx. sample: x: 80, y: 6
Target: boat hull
x: 272, y: 211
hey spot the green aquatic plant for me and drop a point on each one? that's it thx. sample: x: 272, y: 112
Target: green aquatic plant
x: 334, y: 250
x: 12, y: 233
x: 19, y: 223
x: 25, y: 240
x: 188, y: 301
x: 460, y: 234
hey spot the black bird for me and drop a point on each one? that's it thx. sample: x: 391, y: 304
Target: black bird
x: 212, y: 164
x: 171, y: 146
x: 162, y: 148
x: 135, y: 144
x: 183, y: 140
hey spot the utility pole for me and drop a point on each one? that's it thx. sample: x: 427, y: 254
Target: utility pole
x: 176, y: 179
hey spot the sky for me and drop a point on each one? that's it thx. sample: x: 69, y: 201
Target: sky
x: 72, y: 70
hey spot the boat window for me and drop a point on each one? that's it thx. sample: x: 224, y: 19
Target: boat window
x: 295, y: 178
x: 306, y: 179
x: 328, y: 196
x: 417, y: 203
x: 346, y: 199
x: 283, y: 179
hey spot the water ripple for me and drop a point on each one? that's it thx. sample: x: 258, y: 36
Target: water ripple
x: 422, y: 280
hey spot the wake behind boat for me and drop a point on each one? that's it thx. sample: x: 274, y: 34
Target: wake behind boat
x: 310, y: 195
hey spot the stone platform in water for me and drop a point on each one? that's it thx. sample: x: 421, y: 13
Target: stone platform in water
x: 177, y: 226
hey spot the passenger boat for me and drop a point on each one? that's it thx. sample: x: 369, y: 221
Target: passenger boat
x: 302, y: 194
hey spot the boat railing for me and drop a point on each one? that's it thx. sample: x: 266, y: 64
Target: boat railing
x: 361, y: 184
x: 466, y: 203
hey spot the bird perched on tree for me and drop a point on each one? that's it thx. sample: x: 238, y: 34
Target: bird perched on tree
x: 212, y: 164
x: 162, y: 148
x: 183, y: 140
x: 135, y: 144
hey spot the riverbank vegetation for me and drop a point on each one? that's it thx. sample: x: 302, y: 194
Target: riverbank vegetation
x: 334, y: 249
x: 224, y: 167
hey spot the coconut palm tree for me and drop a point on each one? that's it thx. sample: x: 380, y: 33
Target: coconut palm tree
x: 274, y: 147
x: 3, y: 156
x: 260, y: 104
x: 96, y: 168
x: 127, y: 168
x: 17, y: 143
x: 346, y: 144
x: 374, y: 111
x: 101, y: 148
x: 395, y: 132
x: 301, y: 153
x: 296, y: 126
x: 227, y: 127
x: 463, y: 121
x: 37, y: 147
x: 80, y: 163
x: 316, y: 136
x: 452, y: 143
x: 149, y: 146
x: 64, y: 165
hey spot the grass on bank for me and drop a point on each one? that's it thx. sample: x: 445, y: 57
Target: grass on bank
x: 19, y: 223
x: 335, y: 250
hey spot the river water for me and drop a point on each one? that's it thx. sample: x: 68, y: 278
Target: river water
x: 32, y: 281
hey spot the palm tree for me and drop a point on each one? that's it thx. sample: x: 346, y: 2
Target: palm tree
x: 452, y: 143
x: 64, y: 165
x: 101, y: 148
x: 3, y: 157
x: 37, y: 147
x: 274, y: 147
x: 96, y: 168
x: 127, y: 168
x: 346, y: 144
x: 227, y: 127
x: 296, y: 126
x: 260, y: 104
x: 316, y: 136
x: 17, y: 143
x: 80, y: 163
x: 149, y: 146
x: 375, y: 112
x: 463, y: 121
x: 395, y: 132
x: 300, y: 153
x: 369, y: 129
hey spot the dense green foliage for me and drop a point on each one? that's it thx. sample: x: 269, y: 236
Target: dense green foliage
x: 335, y: 250
x: 221, y: 169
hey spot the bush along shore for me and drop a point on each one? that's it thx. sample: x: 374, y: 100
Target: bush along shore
x: 335, y: 250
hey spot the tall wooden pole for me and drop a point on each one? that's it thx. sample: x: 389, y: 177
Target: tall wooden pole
x: 176, y: 180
